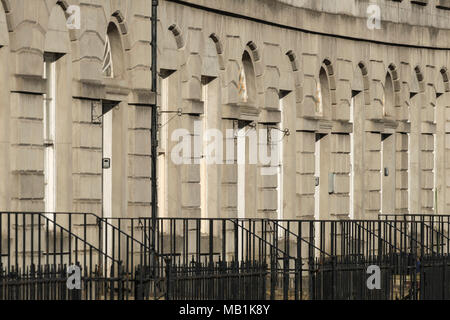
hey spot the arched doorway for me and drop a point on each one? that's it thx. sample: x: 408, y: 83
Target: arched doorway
x: 247, y: 141
x: 114, y: 129
x: 322, y: 146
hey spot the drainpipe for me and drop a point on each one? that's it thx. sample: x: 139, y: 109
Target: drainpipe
x: 154, y: 128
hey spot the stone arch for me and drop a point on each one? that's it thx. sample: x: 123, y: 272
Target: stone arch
x: 179, y: 38
x: 297, y: 76
x: 219, y: 50
x: 365, y: 75
x: 442, y: 82
x: 417, y: 81
x: 293, y: 59
x: 7, y: 9
x: 4, y: 36
x: 218, y: 43
x: 392, y: 69
x: 122, y: 26
x: 64, y: 5
x: 388, y: 96
x: 254, y: 50
x: 212, y: 57
x: 247, y: 86
x: 394, y: 86
x: 361, y: 82
x: 57, y: 38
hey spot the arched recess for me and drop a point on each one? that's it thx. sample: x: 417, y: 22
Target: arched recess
x: 324, y: 98
x: 114, y: 66
x: 247, y: 81
x: 388, y: 98
x: 391, y: 95
x: 247, y: 134
x: 442, y: 143
x: 57, y: 71
x: 325, y: 90
x: 5, y: 196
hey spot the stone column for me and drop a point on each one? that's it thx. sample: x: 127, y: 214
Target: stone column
x: 228, y: 183
x: 63, y: 135
x: 289, y: 159
x: 87, y: 158
x: 213, y: 119
x: 305, y: 170
x: 447, y: 159
x: 27, y: 152
x: 359, y: 156
x: 340, y: 169
x: 427, y: 174
x: 267, y: 177
x: 372, y: 186
x: 415, y: 174
x: 5, y: 134
x: 252, y: 176
x: 442, y: 127
x: 139, y: 162
x: 401, y: 174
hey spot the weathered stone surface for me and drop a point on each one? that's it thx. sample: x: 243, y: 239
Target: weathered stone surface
x: 386, y: 96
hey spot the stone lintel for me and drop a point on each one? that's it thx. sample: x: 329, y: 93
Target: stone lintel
x: 28, y: 83
x: 88, y: 89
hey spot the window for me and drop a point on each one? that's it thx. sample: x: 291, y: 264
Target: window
x: 247, y: 82
x: 108, y: 70
x: 243, y: 94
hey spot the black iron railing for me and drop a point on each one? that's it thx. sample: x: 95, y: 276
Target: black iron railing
x: 217, y: 281
x: 288, y: 259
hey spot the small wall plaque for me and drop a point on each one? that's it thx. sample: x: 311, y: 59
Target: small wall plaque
x: 106, y: 163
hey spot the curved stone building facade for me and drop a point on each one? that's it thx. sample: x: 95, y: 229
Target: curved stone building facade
x: 362, y: 105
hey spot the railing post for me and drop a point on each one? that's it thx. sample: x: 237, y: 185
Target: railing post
x: 169, y: 294
x: 273, y: 273
x: 286, y: 278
